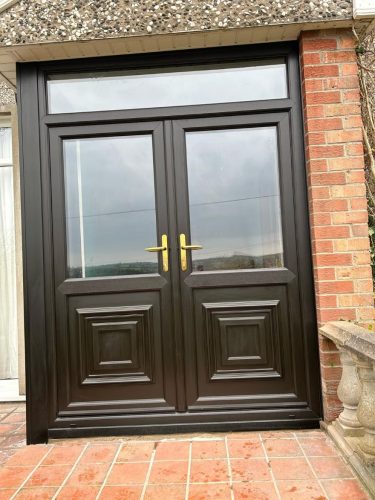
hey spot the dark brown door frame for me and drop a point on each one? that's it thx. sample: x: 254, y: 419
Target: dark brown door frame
x: 37, y: 225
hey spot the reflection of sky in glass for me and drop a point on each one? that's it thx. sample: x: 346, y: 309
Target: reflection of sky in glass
x: 111, y: 219
x: 234, y: 198
x: 133, y: 90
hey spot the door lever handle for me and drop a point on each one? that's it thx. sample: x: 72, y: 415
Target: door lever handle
x: 183, y: 248
x: 164, y: 251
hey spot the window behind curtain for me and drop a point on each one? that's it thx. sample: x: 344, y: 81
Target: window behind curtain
x: 8, y: 311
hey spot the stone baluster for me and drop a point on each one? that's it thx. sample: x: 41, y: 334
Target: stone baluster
x: 366, y: 406
x: 349, y: 392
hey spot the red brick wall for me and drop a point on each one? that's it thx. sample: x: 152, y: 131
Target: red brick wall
x: 336, y: 189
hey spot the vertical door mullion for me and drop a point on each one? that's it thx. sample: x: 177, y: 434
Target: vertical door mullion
x: 177, y: 304
x: 186, y: 297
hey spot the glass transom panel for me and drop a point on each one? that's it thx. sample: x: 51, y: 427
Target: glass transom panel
x: 189, y: 85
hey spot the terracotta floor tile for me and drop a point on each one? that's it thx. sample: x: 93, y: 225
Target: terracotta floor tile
x: 172, y: 450
x: 310, y: 433
x: 21, y: 408
x: 301, y: 490
x: 330, y: 467
x: 291, y: 468
x: 317, y: 447
x: 13, y: 441
x: 5, y: 455
x: 136, y: 452
x: 243, y: 435
x: 208, y: 471
x: 13, y: 477
x: 6, y: 494
x: 63, y: 455
x: 168, y: 472
x: 7, y: 428
x: 208, y: 449
x: 18, y: 418
x: 31, y: 455
x: 48, y: 475
x: 245, y: 448
x: 36, y: 493
x: 250, y: 470
x: 20, y: 428
x: 277, y: 435
x: 128, y: 473
x: 340, y: 489
x: 95, y: 454
x: 88, y: 474
x: 165, y: 491
x: 121, y: 493
x: 282, y: 448
x: 8, y: 407
x: 78, y: 493
x: 254, y: 491
x: 205, y: 491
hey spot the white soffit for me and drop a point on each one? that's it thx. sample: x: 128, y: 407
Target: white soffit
x: 363, y: 8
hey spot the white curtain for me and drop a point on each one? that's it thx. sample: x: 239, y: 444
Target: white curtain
x: 8, y: 297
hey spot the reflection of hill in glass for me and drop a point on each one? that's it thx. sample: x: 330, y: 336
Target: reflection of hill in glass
x: 119, y: 269
x: 238, y: 262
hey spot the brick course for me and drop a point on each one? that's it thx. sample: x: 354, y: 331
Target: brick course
x: 336, y: 190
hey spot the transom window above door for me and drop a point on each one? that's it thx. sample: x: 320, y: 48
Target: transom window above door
x: 173, y: 86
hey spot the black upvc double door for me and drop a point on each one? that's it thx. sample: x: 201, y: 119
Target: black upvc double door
x: 176, y: 271
x: 177, y: 259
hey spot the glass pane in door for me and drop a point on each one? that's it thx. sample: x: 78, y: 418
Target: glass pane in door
x: 110, y: 206
x: 234, y: 198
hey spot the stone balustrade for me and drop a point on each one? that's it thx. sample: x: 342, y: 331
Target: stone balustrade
x: 354, y: 429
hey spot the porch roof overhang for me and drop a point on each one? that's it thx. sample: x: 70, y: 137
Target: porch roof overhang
x: 10, y: 55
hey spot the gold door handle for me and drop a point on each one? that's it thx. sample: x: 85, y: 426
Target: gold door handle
x: 164, y: 251
x: 183, y: 248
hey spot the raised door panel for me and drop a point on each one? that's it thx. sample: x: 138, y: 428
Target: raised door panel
x: 115, y: 355
x: 245, y: 349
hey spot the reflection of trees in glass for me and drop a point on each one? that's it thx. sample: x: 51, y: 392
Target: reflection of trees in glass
x: 118, y: 269
x: 238, y: 262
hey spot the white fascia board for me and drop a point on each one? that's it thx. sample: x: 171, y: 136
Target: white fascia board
x: 363, y: 9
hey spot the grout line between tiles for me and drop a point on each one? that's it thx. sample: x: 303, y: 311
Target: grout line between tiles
x: 188, y: 472
x: 31, y: 473
x: 70, y: 472
x: 152, y: 459
x: 270, y: 468
x: 229, y: 468
x: 109, y: 470
x: 312, y: 468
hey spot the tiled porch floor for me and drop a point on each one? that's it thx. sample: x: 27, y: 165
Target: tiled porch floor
x: 247, y: 465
